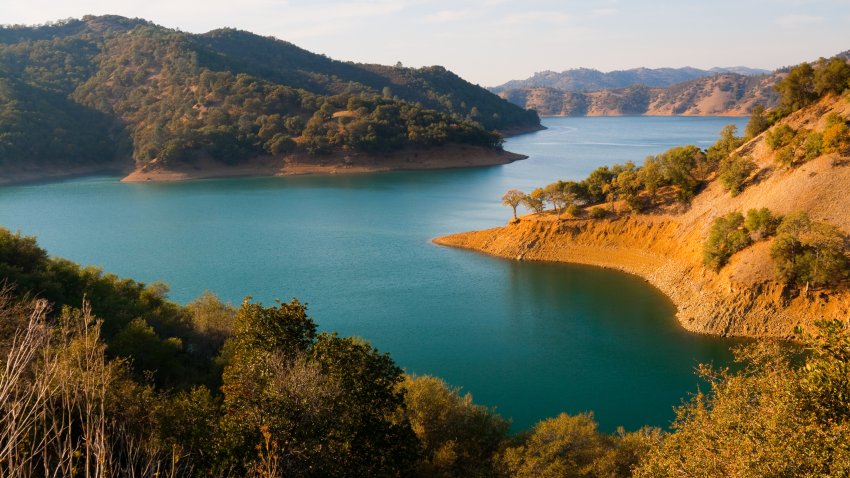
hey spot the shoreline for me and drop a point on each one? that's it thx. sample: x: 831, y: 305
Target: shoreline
x: 52, y: 173
x: 448, y: 157
x: 648, y: 247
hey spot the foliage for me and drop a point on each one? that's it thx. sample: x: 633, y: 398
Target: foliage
x: 684, y: 167
x: 571, y: 446
x: 534, y: 200
x: 797, y: 89
x: 513, y: 198
x: 598, y: 213
x: 760, y: 223
x: 111, y: 88
x: 725, y: 145
x: 558, y: 196
x: 809, y: 253
x: 831, y: 76
x: 836, y: 136
x: 778, y: 414
x: 733, y: 171
x: 758, y: 122
x: 458, y: 438
x: 139, y: 322
x: 726, y: 237
x: 328, y: 402
x: 780, y: 136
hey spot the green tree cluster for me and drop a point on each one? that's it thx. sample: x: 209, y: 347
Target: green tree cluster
x: 809, y: 253
x: 804, y: 84
x: 733, y: 232
x: 782, y: 412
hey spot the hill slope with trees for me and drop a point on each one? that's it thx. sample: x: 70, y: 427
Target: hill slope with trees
x: 748, y: 237
x: 90, y: 93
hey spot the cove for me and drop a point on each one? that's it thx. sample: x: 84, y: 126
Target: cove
x: 531, y: 339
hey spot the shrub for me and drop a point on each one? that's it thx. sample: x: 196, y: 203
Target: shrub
x: 726, y: 237
x: 760, y: 223
x: 598, y: 213
x: 758, y: 123
x: 575, y: 210
x: 733, y: 171
x: 809, y: 253
x: 779, y: 136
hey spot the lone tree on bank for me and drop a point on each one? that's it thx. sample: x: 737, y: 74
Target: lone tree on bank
x: 513, y: 198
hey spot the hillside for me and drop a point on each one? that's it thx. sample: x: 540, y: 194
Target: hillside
x: 110, y: 92
x: 586, y: 79
x: 726, y: 94
x: 746, y: 295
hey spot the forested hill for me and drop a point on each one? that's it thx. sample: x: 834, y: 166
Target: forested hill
x: 78, y: 93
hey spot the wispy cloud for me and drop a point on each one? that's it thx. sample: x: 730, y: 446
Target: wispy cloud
x: 604, y: 12
x: 793, y: 21
x: 445, y: 16
x: 538, y: 17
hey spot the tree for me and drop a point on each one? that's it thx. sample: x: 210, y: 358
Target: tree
x: 513, y: 198
x: 571, y: 446
x: 726, y: 237
x: 651, y: 175
x: 329, y: 403
x: 555, y: 195
x: 724, y: 146
x: 758, y: 123
x: 629, y: 187
x: 684, y: 167
x: 733, y: 171
x: 809, y: 253
x: 760, y: 223
x: 831, y: 76
x: 777, y: 413
x: 797, y: 89
x: 458, y: 438
x: 534, y: 200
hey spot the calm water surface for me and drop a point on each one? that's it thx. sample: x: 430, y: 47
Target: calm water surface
x: 531, y: 339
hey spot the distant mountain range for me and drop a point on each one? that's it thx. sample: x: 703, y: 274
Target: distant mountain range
x: 722, y: 94
x: 585, y: 79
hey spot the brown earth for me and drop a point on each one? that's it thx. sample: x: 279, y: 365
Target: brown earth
x: 452, y: 156
x: 744, y: 298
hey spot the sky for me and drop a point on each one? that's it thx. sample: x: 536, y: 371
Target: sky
x: 489, y: 42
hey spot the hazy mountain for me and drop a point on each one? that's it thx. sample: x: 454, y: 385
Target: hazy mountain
x: 585, y: 79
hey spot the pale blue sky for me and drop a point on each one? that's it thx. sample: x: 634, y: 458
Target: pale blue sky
x: 491, y: 41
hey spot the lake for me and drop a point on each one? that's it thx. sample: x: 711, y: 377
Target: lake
x: 530, y: 339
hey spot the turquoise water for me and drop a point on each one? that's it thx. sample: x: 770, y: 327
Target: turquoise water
x: 531, y: 339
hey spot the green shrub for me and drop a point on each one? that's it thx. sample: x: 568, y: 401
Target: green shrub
x: 575, y: 210
x: 760, y: 223
x: 726, y: 237
x: 779, y: 136
x: 809, y: 253
x: 734, y: 171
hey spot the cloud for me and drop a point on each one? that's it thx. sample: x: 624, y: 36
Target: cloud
x: 794, y: 21
x: 604, y: 12
x: 445, y: 16
x: 536, y: 17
